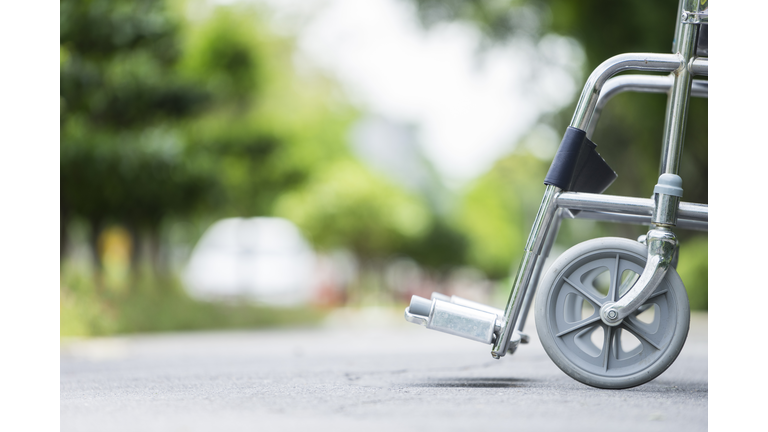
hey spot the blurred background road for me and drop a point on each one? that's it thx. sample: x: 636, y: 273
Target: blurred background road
x: 365, y: 370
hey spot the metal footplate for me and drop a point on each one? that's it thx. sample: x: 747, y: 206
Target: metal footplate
x: 460, y: 317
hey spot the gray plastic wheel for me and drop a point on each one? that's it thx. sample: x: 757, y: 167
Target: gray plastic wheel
x: 568, y: 322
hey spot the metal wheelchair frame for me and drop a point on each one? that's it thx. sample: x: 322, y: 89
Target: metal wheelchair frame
x: 504, y: 329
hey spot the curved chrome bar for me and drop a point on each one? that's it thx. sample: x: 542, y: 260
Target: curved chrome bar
x: 661, y: 249
x: 649, y: 62
x: 640, y: 84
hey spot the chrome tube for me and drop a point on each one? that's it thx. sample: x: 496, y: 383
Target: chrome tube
x: 627, y: 205
x: 605, y: 203
x: 620, y: 84
x: 635, y: 83
x: 649, y: 62
x: 699, y: 66
x: 527, y: 265
x: 676, y: 114
x: 468, y: 303
x: 680, y: 10
x: 533, y: 286
x: 693, y: 211
x: 639, y: 84
x: 665, y: 209
x: 689, y: 224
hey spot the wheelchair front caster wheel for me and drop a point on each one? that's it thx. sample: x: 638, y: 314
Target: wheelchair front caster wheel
x: 568, y: 320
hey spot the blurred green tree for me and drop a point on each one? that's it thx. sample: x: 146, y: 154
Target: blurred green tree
x: 694, y: 270
x: 268, y: 127
x: 495, y: 208
x: 121, y: 159
x: 348, y: 206
x: 165, y: 117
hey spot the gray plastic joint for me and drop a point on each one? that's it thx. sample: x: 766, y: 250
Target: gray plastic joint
x: 666, y: 197
x: 669, y: 184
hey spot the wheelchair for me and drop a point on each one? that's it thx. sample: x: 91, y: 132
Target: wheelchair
x: 602, y: 288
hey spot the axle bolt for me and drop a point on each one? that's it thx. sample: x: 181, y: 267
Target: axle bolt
x: 612, y: 314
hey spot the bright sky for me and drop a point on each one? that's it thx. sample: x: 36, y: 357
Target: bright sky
x: 469, y: 109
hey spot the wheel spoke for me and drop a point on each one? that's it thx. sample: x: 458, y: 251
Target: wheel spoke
x: 613, y: 291
x: 616, y: 342
x: 648, y: 304
x: 644, y: 307
x: 584, y: 292
x: 656, y: 294
x: 640, y: 334
x: 608, y: 332
x: 579, y: 325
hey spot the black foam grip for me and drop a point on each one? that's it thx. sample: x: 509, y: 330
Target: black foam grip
x: 577, y: 166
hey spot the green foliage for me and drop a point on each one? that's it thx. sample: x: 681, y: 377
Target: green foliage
x: 491, y: 217
x: 293, y: 129
x: 226, y: 53
x: 496, y: 19
x: 116, y: 64
x: 97, y: 29
x: 346, y: 205
x: 633, y: 26
x: 97, y: 306
x: 163, y: 117
x: 442, y: 248
x: 140, y: 177
x: 121, y: 158
x: 496, y: 209
x: 693, y: 269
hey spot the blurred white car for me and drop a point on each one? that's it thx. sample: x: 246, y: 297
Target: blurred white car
x: 261, y: 259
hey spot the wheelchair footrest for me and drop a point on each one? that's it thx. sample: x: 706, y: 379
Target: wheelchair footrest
x: 453, y: 319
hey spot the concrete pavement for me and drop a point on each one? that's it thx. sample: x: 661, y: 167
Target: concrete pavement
x: 361, y: 371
